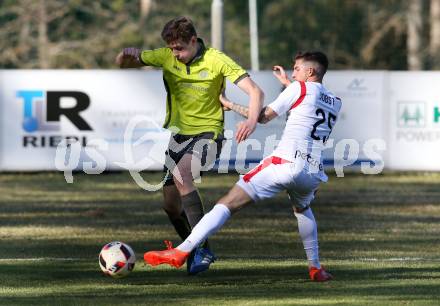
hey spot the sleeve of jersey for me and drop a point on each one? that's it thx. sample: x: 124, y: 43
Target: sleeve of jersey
x: 155, y: 58
x: 286, y: 99
x: 230, y: 69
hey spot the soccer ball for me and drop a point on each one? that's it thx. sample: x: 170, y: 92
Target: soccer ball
x: 117, y: 259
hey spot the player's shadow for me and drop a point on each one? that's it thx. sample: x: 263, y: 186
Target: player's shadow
x: 257, y: 279
x: 286, y: 281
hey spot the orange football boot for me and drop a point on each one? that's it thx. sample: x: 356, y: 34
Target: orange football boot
x: 170, y: 256
x: 319, y: 275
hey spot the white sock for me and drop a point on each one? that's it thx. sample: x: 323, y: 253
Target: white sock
x: 208, y: 225
x: 308, y: 231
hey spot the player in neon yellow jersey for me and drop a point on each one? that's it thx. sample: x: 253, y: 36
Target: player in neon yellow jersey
x: 194, y: 77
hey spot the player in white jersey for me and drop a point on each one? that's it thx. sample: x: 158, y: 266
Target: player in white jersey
x: 294, y: 166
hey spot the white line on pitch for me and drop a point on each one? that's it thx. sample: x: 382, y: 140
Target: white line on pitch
x: 400, y: 259
x: 345, y: 259
x: 44, y: 259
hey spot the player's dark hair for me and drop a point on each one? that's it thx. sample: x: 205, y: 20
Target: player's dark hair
x: 317, y: 57
x: 180, y: 28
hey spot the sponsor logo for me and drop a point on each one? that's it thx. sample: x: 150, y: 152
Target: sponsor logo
x: 417, y: 122
x: 195, y: 87
x: 357, y: 85
x: 411, y: 114
x: 308, y: 158
x: 203, y: 74
x: 42, y: 111
x: 358, y: 88
x: 436, y: 114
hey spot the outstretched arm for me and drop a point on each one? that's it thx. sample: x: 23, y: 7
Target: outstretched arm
x: 256, y: 97
x: 129, y: 58
x: 265, y: 115
x: 281, y: 75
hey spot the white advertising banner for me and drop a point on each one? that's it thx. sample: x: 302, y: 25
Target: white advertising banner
x: 266, y: 136
x: 414, y: 123
x: 386, y: 117
x: 362, y: 117
x: 40, y: 108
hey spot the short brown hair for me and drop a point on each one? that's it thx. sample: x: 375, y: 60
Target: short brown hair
x: 317, y: 57
x: 180, y: 28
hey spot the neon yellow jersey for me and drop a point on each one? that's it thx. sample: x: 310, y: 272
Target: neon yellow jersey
x: 193, y: 89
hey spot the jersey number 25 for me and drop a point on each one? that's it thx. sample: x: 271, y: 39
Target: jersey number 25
x: 330, y: 121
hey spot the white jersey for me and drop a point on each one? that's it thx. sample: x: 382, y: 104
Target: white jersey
x: 312, y: 113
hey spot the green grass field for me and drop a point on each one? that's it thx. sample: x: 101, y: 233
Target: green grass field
x: 379, y: 236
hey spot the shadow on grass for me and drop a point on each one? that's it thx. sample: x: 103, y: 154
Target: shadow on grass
x: 79, y: 281
x: 362, y: 218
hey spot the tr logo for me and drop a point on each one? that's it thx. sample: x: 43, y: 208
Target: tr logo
x: 41, y: 116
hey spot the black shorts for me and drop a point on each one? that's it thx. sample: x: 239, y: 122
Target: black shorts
x: 203, y: 145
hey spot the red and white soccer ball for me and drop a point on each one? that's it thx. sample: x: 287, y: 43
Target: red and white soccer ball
x: 117, y: 259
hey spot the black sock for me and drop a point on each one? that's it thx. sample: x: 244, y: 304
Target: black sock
x: 180, y: 223
x: 192, y: 204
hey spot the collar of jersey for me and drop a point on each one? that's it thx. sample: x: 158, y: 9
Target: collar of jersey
x: 199, y: 53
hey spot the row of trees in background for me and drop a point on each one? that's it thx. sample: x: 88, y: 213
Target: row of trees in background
x: 387, y: 34
x: 418, y: 55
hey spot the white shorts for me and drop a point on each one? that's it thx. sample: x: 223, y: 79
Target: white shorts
x: 275, y: 174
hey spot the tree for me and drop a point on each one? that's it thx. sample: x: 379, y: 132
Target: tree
x: 414, y: 35
x: 434, y: 37
x: 383, y: 24
x: 361, y: 34
x: 65, y: 34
